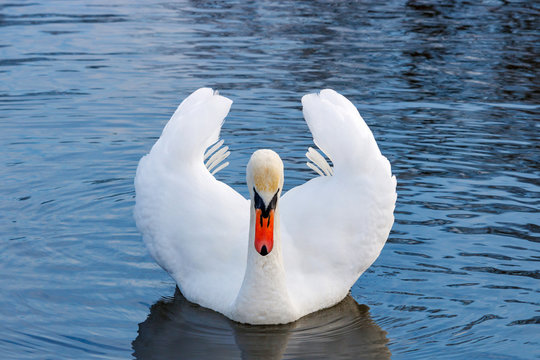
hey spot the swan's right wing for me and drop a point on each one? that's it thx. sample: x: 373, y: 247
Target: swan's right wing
x: 335, y: 225
x: 194, y: 226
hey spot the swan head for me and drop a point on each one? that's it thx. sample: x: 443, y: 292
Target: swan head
x: 264, y: 178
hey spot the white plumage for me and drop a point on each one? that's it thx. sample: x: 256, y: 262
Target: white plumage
x: 328, y: 231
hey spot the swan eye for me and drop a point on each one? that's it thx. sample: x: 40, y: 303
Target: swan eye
x: 273, y: 202
x: 259, y: 203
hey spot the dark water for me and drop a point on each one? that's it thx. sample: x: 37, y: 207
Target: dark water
x: 451, y: 93
x: 176, y: 327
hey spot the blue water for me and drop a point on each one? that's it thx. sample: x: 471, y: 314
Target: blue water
x: 451, y: 93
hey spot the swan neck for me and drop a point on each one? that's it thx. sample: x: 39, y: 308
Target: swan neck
x: 263, y: 297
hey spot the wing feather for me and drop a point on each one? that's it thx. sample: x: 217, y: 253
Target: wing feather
x: 193, y: 225
x: 213, y: 148
x: 334, y: 227
x: 217, y: 158
x: 320, y: 161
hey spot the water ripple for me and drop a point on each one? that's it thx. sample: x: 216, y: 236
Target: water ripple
x: 449, y: 89
x: 176, y: 326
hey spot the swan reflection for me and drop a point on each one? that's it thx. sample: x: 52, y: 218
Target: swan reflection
x: 176, y: 328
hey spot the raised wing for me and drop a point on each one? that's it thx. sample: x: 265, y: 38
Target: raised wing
x: 194, y: 226
x: 334, y: 226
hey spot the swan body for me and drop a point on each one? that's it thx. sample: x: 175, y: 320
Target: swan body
x: 271, y: 259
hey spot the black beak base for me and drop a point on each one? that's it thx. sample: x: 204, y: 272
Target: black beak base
x: 259, y: 203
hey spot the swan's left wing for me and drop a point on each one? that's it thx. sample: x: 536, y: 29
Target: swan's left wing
x: 335, y: 225
x: 194, y: 226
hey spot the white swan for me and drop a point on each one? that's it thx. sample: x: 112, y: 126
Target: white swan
x: 272, y: 259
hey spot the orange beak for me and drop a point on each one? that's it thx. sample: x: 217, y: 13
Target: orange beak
x: 264, y: 232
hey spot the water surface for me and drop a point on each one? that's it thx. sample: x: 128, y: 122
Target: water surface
x: 451, y: 93
x: 175, y: 326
